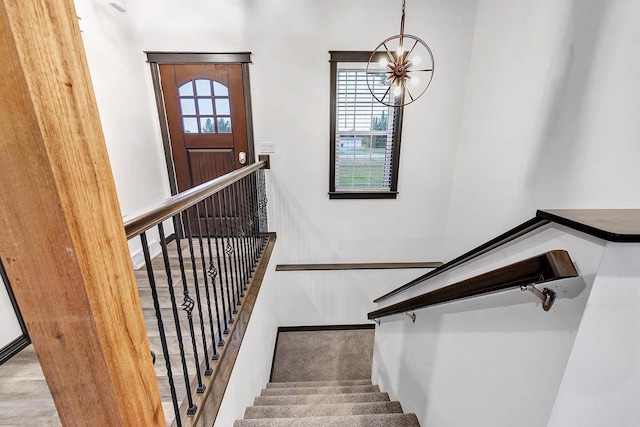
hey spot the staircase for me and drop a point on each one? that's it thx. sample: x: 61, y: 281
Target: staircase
x: 336, y: 398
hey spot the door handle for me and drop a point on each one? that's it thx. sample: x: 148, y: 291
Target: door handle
x: 242, y: 157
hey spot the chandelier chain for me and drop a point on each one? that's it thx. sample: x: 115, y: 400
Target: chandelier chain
x: 402, y: 23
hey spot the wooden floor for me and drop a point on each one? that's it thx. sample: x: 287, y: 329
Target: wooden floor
x: 24, y: 396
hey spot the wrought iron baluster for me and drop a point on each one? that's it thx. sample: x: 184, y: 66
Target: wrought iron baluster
x: 246, y: 188
x: 254, y: 203
x: 262, y: 206
x: 188, y: 303
x: 245, y: 229
x: 247, y: 222
x: 213, y: 272
x: 207, y: 370
x: 242, y: 233
x: 215, y: 235
x: 214, y: 356
x: 236, y: 238
x: 230, y: 250
x: 224, y: 258
x: 163, y: 336
x: 176, y: 319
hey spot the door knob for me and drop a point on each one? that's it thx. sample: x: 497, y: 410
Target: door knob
x: 242, y: 157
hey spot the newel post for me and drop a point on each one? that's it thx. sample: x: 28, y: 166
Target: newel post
x: 61, y: 235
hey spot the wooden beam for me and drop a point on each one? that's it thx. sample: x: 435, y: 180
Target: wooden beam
x: 62, y: 239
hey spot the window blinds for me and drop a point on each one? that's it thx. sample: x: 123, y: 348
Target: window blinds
x: 364, y: 133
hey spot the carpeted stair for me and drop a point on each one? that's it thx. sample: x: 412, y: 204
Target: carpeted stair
x: 346, y: 400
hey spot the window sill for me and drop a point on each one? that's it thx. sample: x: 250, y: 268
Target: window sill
x: 363, y: 194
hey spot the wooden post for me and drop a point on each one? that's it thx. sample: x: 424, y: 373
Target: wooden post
x: 62, y: 239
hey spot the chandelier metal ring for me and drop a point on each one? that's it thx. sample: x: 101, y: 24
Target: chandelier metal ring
x: 400, y: 70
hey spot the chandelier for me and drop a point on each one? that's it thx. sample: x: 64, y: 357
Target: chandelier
x: 400, y: 68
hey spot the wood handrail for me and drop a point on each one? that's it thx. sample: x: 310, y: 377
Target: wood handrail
x: 357, y: 266
x: 552, y: 265
x: 175, y: 204
x: 510, y: 235
x: 614, y: 225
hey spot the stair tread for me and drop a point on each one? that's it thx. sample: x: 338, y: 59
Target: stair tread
x: 320, y: 390
x: 320, y: 399
x: 318, y: 410
x: 323, y: 355
x: 318, y: 383
x: 378, y: 420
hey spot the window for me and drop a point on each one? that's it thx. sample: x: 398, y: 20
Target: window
x: 204, y: 106
x: 365, y: 134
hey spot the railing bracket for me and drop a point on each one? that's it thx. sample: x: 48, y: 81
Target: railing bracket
x: 411, y: 315
x: 547, y: 296
x: 377, y: 321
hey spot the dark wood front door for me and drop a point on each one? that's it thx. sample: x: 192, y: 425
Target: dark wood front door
x: 206, y: 118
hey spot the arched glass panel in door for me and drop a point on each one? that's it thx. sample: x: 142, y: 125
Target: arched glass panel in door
x: 205, y: 106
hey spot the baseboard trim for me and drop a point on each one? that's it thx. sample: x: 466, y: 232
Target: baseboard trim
x: 313, y: 328
x: 137, y: 258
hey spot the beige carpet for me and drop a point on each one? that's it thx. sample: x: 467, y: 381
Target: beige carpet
x: 323, y: 355
x: 323, y: 379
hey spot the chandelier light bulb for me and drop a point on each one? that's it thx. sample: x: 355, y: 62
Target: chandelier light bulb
x: 397, y: 91
x: 415, y: 81
x: 400, y: 50
x: 416, y: 60
x: 383, y: 62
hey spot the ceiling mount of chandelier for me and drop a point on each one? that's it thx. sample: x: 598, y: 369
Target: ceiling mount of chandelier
x: 400, y: 68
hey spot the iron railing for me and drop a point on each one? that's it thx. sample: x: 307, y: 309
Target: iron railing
x: 198, y: 277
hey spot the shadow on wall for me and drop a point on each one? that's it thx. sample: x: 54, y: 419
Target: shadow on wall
x: 325, y: 297
x: 303, y: 241
x: 562, y: 131
x: 416, y: 378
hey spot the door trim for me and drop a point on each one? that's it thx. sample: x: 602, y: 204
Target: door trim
x: 156, y: 58
x: 198, y: 58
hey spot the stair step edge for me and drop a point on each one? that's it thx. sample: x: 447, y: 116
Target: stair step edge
x: 320, y: 390
x: 320, y: 398
x: 317, y: 383
x: 380, y: 420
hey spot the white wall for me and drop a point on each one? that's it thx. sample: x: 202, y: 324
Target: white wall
x: 495, y: 360
x: 533, y: 105
x: 9, y: 326
x: 601, y: 385
x: 290, y: 41
x: 126, y: 104
x: 550, y: 115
